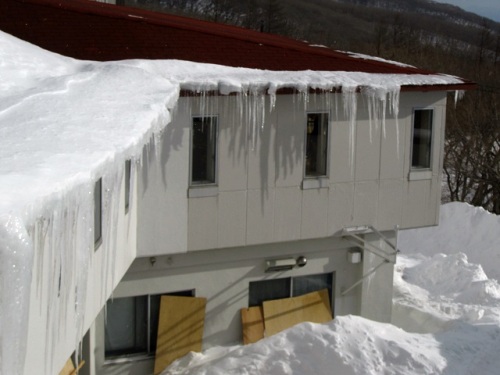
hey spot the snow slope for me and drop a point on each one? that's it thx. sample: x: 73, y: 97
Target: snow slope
x: 448, y: 307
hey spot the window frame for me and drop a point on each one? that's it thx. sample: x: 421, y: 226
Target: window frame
x: 128, y: 182
x: 326, y: 152
x: 150, y: 340
x: 430, y: 147
x: 214, y: 123
x: 97, y: 213
x: 291, y: 285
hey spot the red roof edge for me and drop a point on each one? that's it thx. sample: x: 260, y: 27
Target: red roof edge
x: 91, y: 30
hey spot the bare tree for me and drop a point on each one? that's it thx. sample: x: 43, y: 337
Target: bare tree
x: 472, y: 151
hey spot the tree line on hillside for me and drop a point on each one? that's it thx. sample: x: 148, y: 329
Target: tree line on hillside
x: 432, y: 36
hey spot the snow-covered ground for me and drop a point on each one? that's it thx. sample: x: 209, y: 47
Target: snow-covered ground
x: 446, y: 317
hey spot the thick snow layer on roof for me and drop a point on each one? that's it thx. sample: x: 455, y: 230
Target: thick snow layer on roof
x: 60, y: 118
x: 205, y: 77
x: 375, y: 58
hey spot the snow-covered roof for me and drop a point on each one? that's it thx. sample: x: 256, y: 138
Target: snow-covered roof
x: 91, y: 30
x: 62, y: 118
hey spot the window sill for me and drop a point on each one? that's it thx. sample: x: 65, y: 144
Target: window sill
x: 416, y: 175
x: 203, y: 191
x: 127, y: 359
x: 315, y: 183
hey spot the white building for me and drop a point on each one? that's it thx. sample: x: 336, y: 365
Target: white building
x: 233, y: 171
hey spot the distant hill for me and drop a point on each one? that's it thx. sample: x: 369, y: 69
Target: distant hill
x: 377, y: 27
x: 434, y: 36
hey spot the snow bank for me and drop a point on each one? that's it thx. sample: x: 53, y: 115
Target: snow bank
x: 462, y: 228
x: 449, y: 273
x: 348, y: 345
x: 449, y: 308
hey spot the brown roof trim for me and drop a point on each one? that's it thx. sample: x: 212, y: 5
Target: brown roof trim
x: 290, y: 91
x: 467, y: 85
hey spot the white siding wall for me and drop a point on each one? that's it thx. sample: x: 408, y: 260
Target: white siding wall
x: 259, y: 196
x: 218, y: 242
x: 223, y: 276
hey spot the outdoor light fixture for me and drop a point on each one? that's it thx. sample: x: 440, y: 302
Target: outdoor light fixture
x: 285, y: 264
x: 354, y: 256
x: 301, y: 261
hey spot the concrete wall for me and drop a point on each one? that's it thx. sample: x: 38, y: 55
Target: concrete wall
x: 223, y: 277
x: 261, y: 195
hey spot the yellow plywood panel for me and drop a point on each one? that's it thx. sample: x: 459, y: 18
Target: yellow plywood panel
x: 285, y: 313
x: 252, y: 322
x: 69, y: 368
x: 180, y: 329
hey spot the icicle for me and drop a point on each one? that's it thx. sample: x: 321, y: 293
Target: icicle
x: 336, y: 106
x: 371, y: 113
x: 350, y: 110
x: 272, y: 101
x: 16, y: 261
x: 394, y: 100
x: 305, y: 97
x: 459, y: 94
x: 256, y: 109
x: 383, y: 103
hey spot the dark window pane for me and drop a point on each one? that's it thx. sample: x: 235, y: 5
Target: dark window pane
x: 422, y: 138
x: 125, y: 329
x: 97, y: 212
x: 316, y: 144
x: 260, y: 291
x: 128, y: 167
x: 203, y: 158
x: 311, y: 283
x: 153, y: 323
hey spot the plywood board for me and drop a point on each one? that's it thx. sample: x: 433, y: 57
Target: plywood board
x: 252, y: 322
x: 69, y: 368
x: 180, y: 329
x: 285, y: 313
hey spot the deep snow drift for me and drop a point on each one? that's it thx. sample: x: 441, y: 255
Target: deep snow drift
x: 449, y: 308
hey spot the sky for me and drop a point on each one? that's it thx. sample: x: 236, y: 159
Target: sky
x: 485, y: 8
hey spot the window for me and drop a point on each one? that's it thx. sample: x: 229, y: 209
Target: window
x: 97, y: 213
x: 131, y: 327
x: 128, y: 167
x: 260, y: 291
x: 422, y: 139
x: 204, y: 150
x: 316, y: 144
x: 126, y: 331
